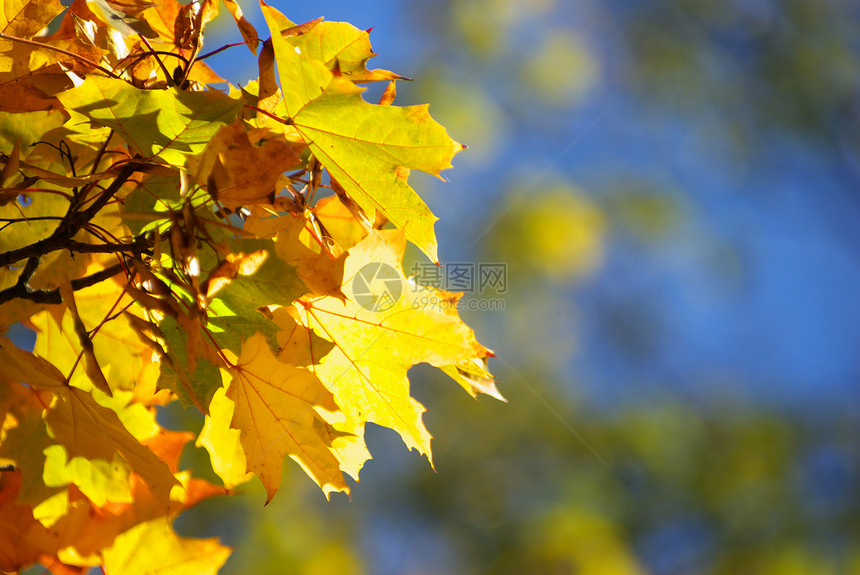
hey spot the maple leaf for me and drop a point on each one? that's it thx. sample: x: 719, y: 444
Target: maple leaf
x: 22, y: 538
x: 241, y: 168
x: 116, y: 346
x: 41, y: 209
x: 276, y: 413
x: 132, y: 552
x: 342, y: 226
x: 119, y: 162
x: 474, y: 377
x: 319, y: 269
x: 91, y: 431
x: 191, y: 370
x: 171, y: 124
x: 222, y: 441
x: 343, y: 48
x: 89, y: 529
x: 76, y: 421
x: 122, y: 16
x: 378, y: 336
x: 232, y: 316
x: 367, y: 148
x: 25, y: 435
x: 25, y: 18
x: 101, y: 481
x: 249, y: 33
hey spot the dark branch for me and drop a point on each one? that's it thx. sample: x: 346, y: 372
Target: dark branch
x: 71, y: 224
x: 23, y: 291
x: 140, y: 245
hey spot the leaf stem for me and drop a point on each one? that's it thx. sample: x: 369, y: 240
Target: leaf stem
x: 287, y: 121
x: 221, y: 49
x: 167, y: 75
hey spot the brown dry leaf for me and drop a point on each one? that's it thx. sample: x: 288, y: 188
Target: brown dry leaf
x: 249, y: 33
x: 298, y: 245
x: 241, y: 168
x: 22, y: 538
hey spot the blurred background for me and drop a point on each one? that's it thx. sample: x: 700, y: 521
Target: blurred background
x: 674, y: 187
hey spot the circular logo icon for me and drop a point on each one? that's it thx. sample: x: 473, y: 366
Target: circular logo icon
x: 377, y: 287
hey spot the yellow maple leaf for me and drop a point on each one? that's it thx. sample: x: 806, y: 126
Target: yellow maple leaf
x: 222, y: 442
x: 122, y: 356
x: 276, y: 414
x: 91, y: 431
x: 386, y: 326
x: 132, y: 552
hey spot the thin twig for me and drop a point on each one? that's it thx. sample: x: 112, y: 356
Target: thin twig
x: 101, y: 152
x: 77, y: 57
x: 139, y: 57
x: 221, y: 49
x: 167, y: 75
x: 287, y: 121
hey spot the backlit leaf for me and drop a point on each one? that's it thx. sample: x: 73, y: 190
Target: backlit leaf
x: 344, y: 49
x: 367, y: 148
x: 91, y: 431
x: 241, y: 168
x: 132, y: 552
x: 169, y: 124
x: 276, y: 414
x: 249, y: 33
x: 386, y: 326
x: 24, y: 18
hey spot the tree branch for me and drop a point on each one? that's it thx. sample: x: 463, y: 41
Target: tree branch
x: 137, y: 247
x: 71, y: 224
x: 23, y: 291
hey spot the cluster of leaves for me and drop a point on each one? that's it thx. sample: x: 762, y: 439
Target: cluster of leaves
x: 168, y: 241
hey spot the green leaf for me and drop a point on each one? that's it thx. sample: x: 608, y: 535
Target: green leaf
x: 275, y: 282
x: 194, y: 381
x: 232, y: 317
x: 27, y: 128
x: 169, y: 124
